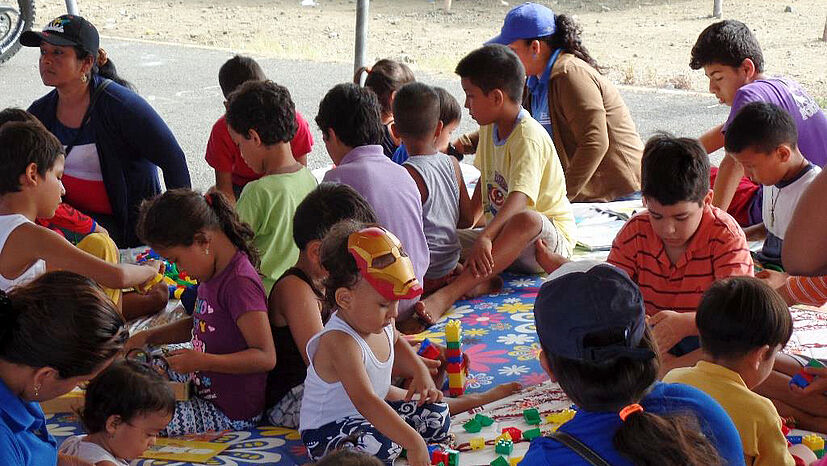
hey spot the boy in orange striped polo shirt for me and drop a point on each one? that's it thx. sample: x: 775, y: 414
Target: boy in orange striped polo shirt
x: 678, y: 247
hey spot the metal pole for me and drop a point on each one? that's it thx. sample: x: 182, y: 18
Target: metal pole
x: 72, y: 7
x: 717, y: 9
x: 361, y: 35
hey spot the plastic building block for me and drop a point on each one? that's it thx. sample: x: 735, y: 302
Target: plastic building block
x: 456, y: 380
x: 532, y: 434
x: 477, y: 443
x: 453, y: 331
x: 531, y: 416
x: 472, y: 426
x: 484, y: 420
x: 813, y: 442
x: 514, y: 461
x: 803, y: 379
x: 503, y: 436
x: 504, y: 447
x: 819, y: 453
x: 428, y: 350
x: 439, y: 457
x: 515, y: 433
x: 453, y: 457
x: 432, y: 449
x: 794, y: 439
x: 561, y: 417
x: 500, y: 461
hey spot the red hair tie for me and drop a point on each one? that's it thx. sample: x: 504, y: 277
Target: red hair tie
x: 208, y: 198
x: 632, y: 408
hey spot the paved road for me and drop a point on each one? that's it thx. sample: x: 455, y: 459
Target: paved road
x: 181, y: 82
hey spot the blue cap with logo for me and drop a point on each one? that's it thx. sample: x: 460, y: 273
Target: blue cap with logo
x: 591, y: 311
x: 526, y: 21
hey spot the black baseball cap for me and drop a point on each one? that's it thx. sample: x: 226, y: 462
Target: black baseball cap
x: 591, y: 311
x: 66, y: 30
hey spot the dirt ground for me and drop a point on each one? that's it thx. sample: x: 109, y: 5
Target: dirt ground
x: 641, y: 42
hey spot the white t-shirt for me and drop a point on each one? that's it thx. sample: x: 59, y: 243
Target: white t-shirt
x: 781, y: 199
x: 9, y: 223
x: 77, y: 446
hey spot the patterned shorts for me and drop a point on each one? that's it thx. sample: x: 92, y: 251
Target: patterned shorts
x: 285, y: 413
x: 432, y: 421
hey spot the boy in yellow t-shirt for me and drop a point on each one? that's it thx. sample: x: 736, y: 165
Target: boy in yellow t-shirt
x: 743, y: 325
x: 521, y: 192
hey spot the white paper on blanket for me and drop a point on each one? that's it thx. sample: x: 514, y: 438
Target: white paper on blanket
x: 599, y: 223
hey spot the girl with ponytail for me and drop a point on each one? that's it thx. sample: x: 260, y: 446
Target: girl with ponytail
x: 232, y: 347
x: 598, y: 347
x: 592, y: 129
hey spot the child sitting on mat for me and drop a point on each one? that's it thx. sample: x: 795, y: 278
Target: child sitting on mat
x: 126, y: 407
x: 348, y: 401
x: 385, y: 78
x: 605, y: 360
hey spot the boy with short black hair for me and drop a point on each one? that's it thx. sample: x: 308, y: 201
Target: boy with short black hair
x: 445, y: 202
x: 231, y: 173
x: 732, y: 59
x: 349, y: 118
x: 524, y: 198
x: 261, y: 121
x: 743, y: 325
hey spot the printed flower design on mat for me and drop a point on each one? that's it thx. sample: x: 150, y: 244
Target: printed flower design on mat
x: 485, y: 306
x: 515, y: 307
x: 455, y: 311
x: 511, y: 300
x: 529, y: 328
x: 62, y: 425
x: 436, y: 336
x: 480, y: 358
x: 289, y: 434
x: 299, y: 450
x: 512, y: 370
x: 535, y: 378
x: 526, y: 353
x: 515, y: 339
x: 522, y: 282
x: 499, y: 326
x: 478, y: 380
x: 243, y: 450
x: 482, y: 318
x: 475, y: 332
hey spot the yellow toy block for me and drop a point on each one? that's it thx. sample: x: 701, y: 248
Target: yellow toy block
x: 503, y: 436
x: 813, y: 442
x: 477, y: 443
x: 561, y: 417
x: 514, y: 461
x: 456, y: 380
x: 453, y: 331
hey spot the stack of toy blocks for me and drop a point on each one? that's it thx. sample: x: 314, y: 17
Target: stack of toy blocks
x: 803, y: 379
x: 453, y: 357
x: 814, y: 442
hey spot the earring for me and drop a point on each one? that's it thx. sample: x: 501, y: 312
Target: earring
x: 36, y: 389
x: 207, y: 251
x: 84, y: 78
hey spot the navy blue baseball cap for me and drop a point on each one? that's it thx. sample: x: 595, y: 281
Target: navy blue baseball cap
x: 591, y: 311
x: 66, y: 30
x: 527, y: 21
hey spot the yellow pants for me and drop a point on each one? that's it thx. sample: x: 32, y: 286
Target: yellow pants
x: 102, y: 247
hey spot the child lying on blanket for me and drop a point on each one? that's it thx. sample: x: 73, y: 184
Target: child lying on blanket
x: 595, y: 343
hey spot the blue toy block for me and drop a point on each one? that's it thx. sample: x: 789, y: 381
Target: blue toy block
x: 794, y: 439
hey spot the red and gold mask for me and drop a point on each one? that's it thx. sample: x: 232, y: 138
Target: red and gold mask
x: 383, y: 263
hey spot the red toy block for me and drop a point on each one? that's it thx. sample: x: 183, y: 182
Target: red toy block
x: 453, y: 368
x: 439, y: 456
x: 431, y: 352
x: 456, y: 391
x: 515, y: 433
x: 451, y: 352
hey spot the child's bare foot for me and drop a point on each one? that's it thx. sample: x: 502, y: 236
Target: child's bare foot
x: 548, y: 260
x: 490, y: 286
x: 473, y: 400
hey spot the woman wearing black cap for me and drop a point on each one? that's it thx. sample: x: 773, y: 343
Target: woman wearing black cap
x: 592, y: 129
x: 39, y: 363
x: 114, y: 139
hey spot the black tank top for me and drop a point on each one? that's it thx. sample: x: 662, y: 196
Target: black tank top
x: 290, y: 369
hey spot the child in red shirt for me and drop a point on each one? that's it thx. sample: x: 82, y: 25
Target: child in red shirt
x: 231, y: 173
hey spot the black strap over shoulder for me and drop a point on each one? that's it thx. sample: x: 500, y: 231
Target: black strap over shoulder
x: 92, y: 100
x: 580, y: 448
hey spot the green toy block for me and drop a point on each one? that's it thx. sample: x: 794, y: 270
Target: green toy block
x: 504, y: 447
x: 500, y: 461
x: 532, y: 434
x: 404, y: 453
x: 472, y: 427
x: 484, y: 421
x: 532, y: 416
x: 453, y: 457
x: 819, y: 453
x: 454, y: 345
